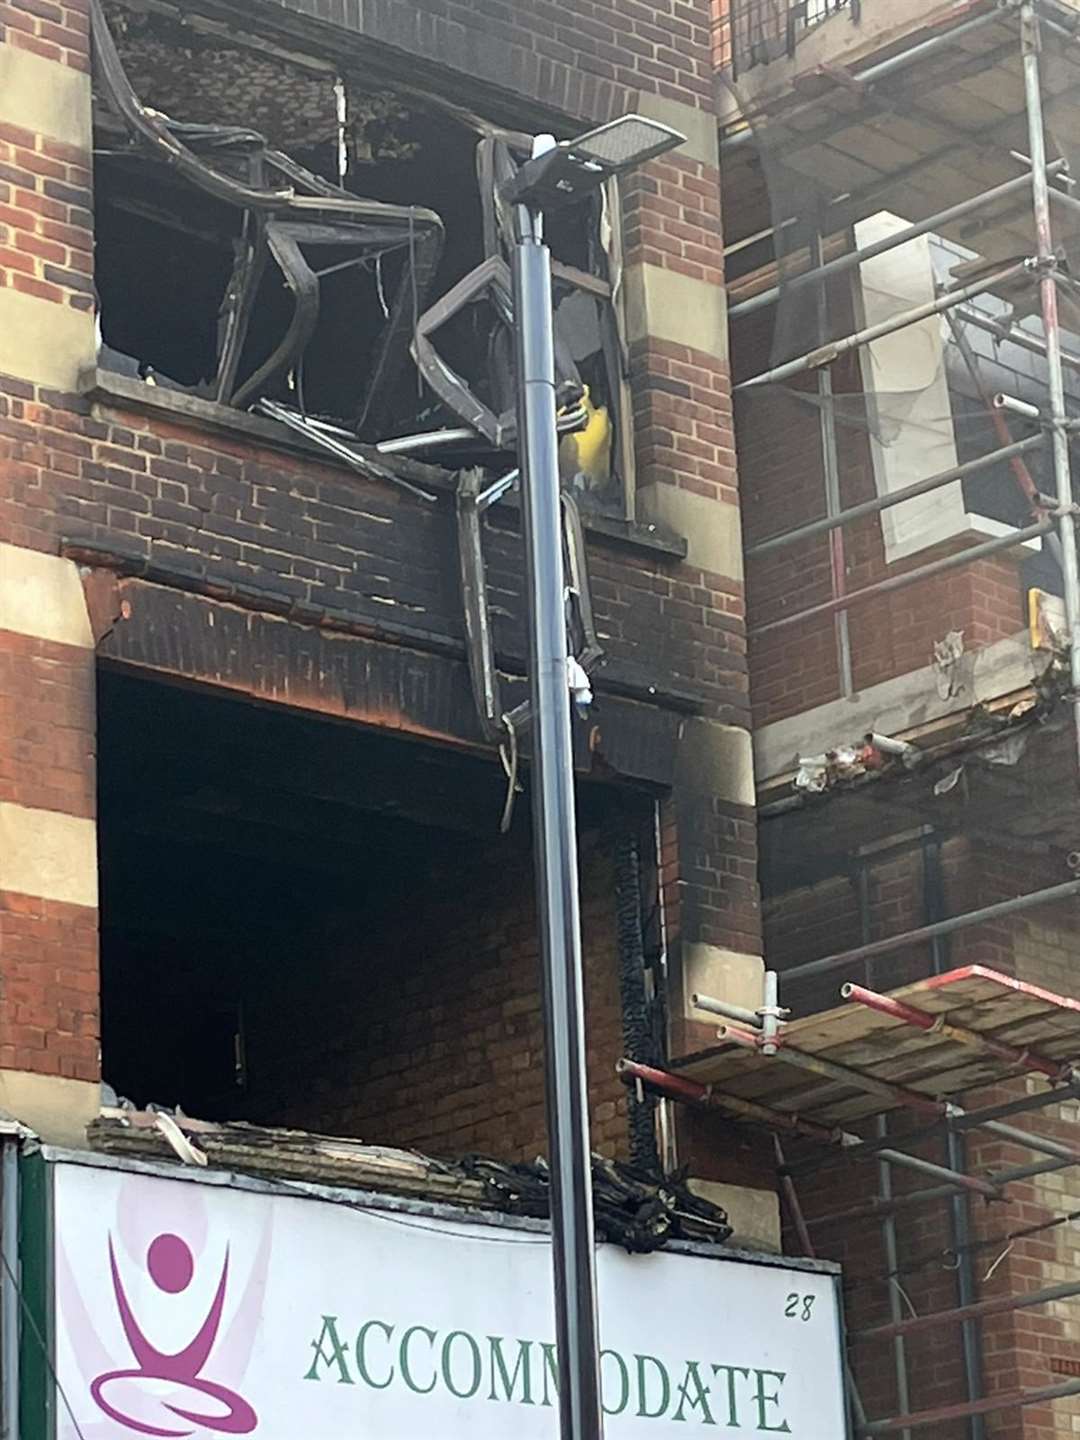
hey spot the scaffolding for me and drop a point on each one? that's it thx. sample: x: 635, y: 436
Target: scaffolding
x: 1024, y: 217
x: 824, y: 1078
x: 757, y: 31
x: 843, y: 144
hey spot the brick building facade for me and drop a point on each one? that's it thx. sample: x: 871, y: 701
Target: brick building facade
x: 246, y: 792
x: 153, y: 538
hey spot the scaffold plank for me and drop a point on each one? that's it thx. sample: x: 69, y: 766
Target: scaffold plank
x: 997, y: 1009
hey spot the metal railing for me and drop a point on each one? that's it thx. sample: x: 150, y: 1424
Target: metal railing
x: 754, y: 32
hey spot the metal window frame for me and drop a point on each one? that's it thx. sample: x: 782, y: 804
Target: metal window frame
x: 286, y: 208
x: 471, y: 502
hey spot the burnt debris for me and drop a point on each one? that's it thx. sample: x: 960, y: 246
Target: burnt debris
x: 630, y: 1208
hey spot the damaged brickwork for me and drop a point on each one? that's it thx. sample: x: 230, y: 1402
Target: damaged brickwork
x: 242, y: 520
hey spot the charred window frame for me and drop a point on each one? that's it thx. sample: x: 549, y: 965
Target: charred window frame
x: 591, y: 352
x: 250, y: 243
x: 599, y: 278
x: 272, y: 212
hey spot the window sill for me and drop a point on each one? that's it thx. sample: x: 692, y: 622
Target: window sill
x: 109, y: 388
x: 968, y: 526
x: 106, y: 387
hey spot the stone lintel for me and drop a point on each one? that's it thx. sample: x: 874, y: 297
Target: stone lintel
x: 42, y: 596
x: 44, y: 341
x: 58, y: 1110
x: 722, y: 974
x: 699, y: 126
x: 45, y: 97
x: 717, y: 759
x: 667, y: 305
x: 49, y: 855
x: 754, y: 1214
x: 711, y: 528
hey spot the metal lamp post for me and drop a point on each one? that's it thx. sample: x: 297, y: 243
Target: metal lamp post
x: 556, y: 175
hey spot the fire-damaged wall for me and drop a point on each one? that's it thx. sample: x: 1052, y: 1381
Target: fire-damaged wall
x: 435, y: 1040
x: 352, y: 947
x: 270, y: 570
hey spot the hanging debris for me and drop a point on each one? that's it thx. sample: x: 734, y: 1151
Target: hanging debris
x: 288, y: 216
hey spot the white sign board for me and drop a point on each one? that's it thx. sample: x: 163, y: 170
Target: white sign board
x: 188, y: 1309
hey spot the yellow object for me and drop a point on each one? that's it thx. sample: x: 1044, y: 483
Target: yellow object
x: 588, y: 452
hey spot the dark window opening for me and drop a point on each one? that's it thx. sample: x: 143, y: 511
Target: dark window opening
x: 309, y: 924
x: 162, y: 262
x: 164, y: 255
x: 370, y: 209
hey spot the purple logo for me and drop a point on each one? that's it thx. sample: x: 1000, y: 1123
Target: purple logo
x: 171, y: 1266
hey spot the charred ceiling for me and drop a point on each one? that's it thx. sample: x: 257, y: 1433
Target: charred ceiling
x: 196, y: 73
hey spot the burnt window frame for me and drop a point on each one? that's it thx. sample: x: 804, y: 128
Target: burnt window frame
x: 183, y: 146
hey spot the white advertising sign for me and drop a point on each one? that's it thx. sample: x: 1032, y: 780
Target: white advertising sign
x: 187, y: 1309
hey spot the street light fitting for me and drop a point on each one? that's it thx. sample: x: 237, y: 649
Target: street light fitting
x: 556, y: 175
x: 563, y: 172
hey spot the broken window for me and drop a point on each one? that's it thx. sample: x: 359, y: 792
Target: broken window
x: 235, y: 270
x: 275, y: 234
x: 307, y: 923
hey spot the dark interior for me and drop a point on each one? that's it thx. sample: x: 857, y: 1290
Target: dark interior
x: 267, y: 876
x: 164, y: 255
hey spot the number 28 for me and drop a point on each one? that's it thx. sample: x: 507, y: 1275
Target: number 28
x: 799, y: 1307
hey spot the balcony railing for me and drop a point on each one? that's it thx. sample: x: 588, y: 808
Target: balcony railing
x: 754, y: 32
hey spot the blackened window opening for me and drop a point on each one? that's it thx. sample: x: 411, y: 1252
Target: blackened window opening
x: 306, y: 923
x: 164, y: 254
x: 284, y: 297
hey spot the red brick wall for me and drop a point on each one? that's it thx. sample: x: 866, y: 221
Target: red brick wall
x: 811, y: 921
x: 580, y: 60
x: 244, y: 519
x: 434, y: 1038
x: 48, y: 987
x: 45, y: 185
x: 48, y: 949
x: 47, y: 725
x: 54, y: 31
x: 782, y: 484
x: 45, y: 202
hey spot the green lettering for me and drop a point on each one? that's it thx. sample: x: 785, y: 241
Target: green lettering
x: 551, y: 1370
x: 762, y: 1400
x: 403, y: 1358
x: 521, y: 1367
x: 447, y: 1370
x: 733, y: 1407
x: 700, y: 1395
x: 361, y: 1359
x: 642, y: 1384
x: 336, y: 1355
x: 624, y: 1380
